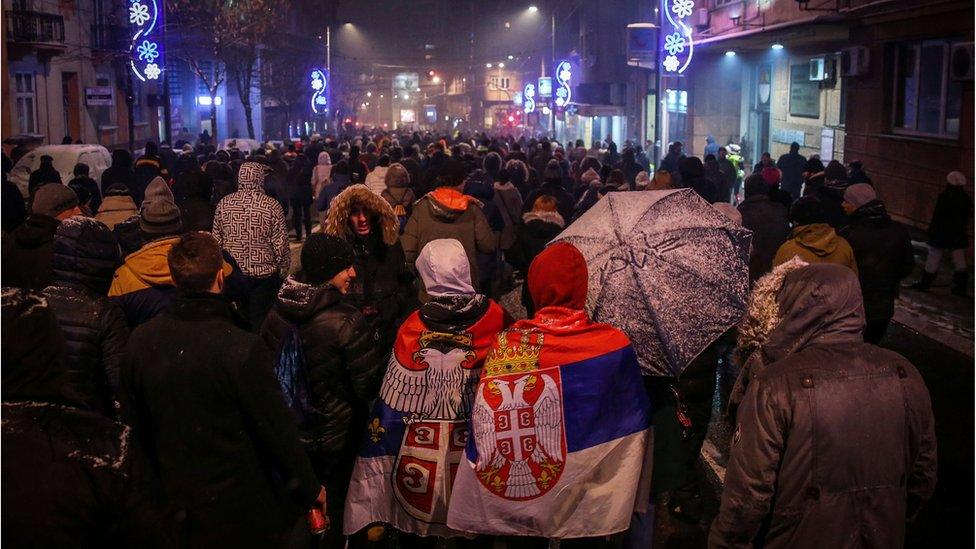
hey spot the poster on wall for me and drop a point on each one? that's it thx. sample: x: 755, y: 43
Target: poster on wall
x: 804, y: 93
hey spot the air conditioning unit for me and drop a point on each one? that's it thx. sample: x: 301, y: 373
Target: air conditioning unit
x: 701, y: 18
x: 855, y: 61
x: 817, y: 72
x: 961, y: 61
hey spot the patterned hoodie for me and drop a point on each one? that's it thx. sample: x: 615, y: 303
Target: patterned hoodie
x: 250, y: 225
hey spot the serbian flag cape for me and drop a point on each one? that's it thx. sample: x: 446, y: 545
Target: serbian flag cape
x: 560, y: 424
x: 419, y: 427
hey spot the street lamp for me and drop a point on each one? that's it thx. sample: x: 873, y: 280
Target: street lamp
x: 533, y: 9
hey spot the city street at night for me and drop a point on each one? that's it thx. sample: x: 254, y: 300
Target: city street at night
x: 446, y: 274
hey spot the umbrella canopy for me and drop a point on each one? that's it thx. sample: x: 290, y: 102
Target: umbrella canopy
x: 665, y: 267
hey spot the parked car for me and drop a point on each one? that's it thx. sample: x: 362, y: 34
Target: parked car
x: 65, y: 157
x: 242, y: 144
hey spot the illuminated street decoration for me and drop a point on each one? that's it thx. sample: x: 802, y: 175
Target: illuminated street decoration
x: 678, y: 45
x: 564, y: 94
x: 528, y: 98
x: 146, y: 58
x: 545, y: 87
x: 320, y: 88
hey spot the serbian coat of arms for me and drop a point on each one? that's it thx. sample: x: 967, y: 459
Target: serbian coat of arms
x: 517, y: 419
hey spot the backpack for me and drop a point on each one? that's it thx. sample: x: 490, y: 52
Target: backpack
x: 291, y: 371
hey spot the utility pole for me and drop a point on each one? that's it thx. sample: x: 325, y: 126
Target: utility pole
x: 552, y: 63
x: 328, y: 70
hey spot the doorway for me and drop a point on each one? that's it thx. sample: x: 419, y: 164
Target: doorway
x: 71, y: 99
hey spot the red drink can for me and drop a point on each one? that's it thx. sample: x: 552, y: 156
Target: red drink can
x: 317, y: 523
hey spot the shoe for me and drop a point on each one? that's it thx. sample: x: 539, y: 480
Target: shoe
x: 960, y: 282
x: 925, y: 282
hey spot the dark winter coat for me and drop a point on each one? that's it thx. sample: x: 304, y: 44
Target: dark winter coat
x: 13, y: 206
x: 770, y: 226
x: 948, y: 228
x: 791, y: 164
x: 884, y: 254
x: 119, y: 172
x: 336, y: 185
x: 88, y: 184
x: 446, y: 213
x: 143, y: 286
x: 564, y: 201
x: 383, y: 289
x: 202, y: 398
x: 145, y: 170
x: 341, y: 355
x: 197, y: 214
x: 27, y: 253
x: 539, y: 229
x: 42, y: 176
x: 834, y: 444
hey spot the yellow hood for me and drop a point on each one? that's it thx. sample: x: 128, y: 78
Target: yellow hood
x: 819, y: 238
x: 144, y: 268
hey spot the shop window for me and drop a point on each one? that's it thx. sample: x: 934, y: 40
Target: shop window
x: 926, y: 100
x: 26, y: 102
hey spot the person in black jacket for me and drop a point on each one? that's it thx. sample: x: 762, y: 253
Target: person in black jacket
x: 948, y: 232
x: 769, y: 222
x: 70, y: 476
x: 82, y: 181
x: 201, y: 396
x: 884, y: 254
x: 119, y: 172
x: 383, y: 289
x: 44, y: 174
x: 693, y: 176
x: 540, y: 226
x: 341, y: 356
x: 298, y: 187
x: 85, y: 257
x: 552, y: 185
x: 27, y: 250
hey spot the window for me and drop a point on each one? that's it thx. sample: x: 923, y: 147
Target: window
x: 498, y: 82
x: 927, y: 101
x: 25, y: 101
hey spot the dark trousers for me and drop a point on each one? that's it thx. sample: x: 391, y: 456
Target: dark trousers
x: 874, y: 330
x: 260, y: 295
x: 301, y: 217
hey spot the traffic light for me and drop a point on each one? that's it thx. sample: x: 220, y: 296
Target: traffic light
x: 431, y: 74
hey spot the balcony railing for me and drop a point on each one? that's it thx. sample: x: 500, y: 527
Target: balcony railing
x: 108, y: 37
x: 34, y: 27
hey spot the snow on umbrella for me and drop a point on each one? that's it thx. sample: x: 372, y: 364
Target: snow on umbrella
x: 665, y: 267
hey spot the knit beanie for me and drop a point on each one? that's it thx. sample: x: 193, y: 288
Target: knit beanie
x: 159, y: 214
x: 956, y: 179
x: 859, y: 194
x: 324, y: 256
x: 53, y: 199
x: 158, y: 189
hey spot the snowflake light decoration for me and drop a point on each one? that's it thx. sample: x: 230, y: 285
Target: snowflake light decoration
x: 138, y: 13
x: 148, y: 51
x: 317, y: 84
x: 152, y: 71
x: 674, y: 43
x: 671, y: 63
x: 683, y: 8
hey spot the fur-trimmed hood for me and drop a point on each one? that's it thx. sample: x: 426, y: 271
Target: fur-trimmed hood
x: 546, y: 217
x: 337, y: 222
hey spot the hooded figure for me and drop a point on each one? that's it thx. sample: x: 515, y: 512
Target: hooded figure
x: 812, y: 239
x: 447, y: 213
x: 27, y: 250
x: 435, y: 364
x: 321, y: 172
x: 711, y: 146
x: 768, y: 221
x: 948, y: 232
x: 398, y: 193
x: 383, y: 289
x: 814, y: 463
x: 68, y: 477
x: 120, y: 172
x: 85, y: 257
x: 540, y: 226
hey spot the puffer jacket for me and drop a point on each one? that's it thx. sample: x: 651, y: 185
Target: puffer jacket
x: 383, y: 289
x: 816, y: 243
x: 143, y: 285
x: 94, y: 329
x: 116, y: 209
x: 446, y: 213
x: 834, y: 444
x: 27, y: 253
x: 884, y: 254
x: 342, y: 357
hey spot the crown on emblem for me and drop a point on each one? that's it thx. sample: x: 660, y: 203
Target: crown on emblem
x: 463, y: 339
x: 515, y: 357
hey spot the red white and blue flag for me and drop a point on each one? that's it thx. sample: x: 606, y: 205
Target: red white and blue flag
x: 560, y: 434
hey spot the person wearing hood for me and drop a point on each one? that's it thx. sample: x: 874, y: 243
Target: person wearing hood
x: 376, y: 180
x: 70, y: 477
x: 338, y: 181
x: 341, y: 356
x: 948, y: 232
x: 834, y: 444
x: 856, y: 173
x: 813, y: 176
x: 143, y: 286
x: 672, y: 161
x: 44, y: 174
x: 552, y: 185
x: 250, y: 225
x: 812, y: 239
x: 399, y: 194
x: 203, y: 402
x: 120, y: 172
x: 711, y: 146
x: 693, y: 176
x: 447, y: 213
x: 28, y: 249
x: 82, y: 181
x: 321, y: 173
x: 456, y: 320
x: 383, y: 289
x: 831, y: 194
x: 590, y: 184
x: 884, y: 254
x: 540, y: 226
x: 95, y: 331
x: 792, y: 165
x: 768, y: 221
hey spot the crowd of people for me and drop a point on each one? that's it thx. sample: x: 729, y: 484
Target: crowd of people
x: 148, y: 319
